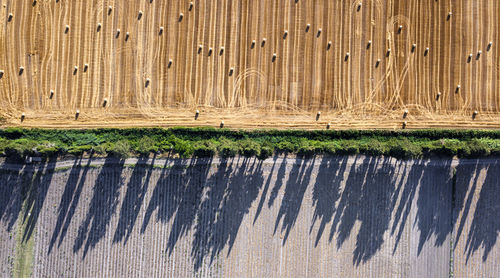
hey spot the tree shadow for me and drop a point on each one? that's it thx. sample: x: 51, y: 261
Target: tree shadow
x: 24, y: 184
x: 407, y: 190
x: 11, y: 180
x: 210, y: 208
x: 35, y: 195
x: 166, y: 194
x: 102, y: 205
x: 278, y: 183
x: 375, y: 194
x: 263, y: 196
x: 347, y: 208
x: 485, y: 227
x: 131, y: 205
x: 375, y: 209
x: 378, y: 193
x: 326, y: 192
x: 230, y: 193
x: 191, y: 189
x: 434, y: 206
x: 296, y: 185
x: 366, y: 197
x: 464, y: 190
x: 69, y: 200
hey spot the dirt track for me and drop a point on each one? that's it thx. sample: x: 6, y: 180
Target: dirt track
x: 329, y: 217
x: 150, y: 77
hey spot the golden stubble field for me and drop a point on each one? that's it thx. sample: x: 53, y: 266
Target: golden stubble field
x: 250, y: 64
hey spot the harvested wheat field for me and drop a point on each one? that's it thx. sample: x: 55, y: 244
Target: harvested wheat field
x: 250, y: 64
x: 243, y: 217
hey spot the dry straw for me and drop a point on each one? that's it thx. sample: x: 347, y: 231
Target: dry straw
x: 312, y: 74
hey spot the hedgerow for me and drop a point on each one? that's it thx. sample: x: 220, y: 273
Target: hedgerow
x: 187, y: 142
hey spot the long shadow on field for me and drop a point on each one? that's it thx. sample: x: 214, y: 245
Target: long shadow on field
x: 466, y: 183
x: 379, y: 195
x: 24, y: 183
x: 229, y: 195
x: 407, y: 190
x: 102, y: 205
x: 136, y: 192
x: 434, y: 204
x: 188, y: 199
x: 69, y: 200
x: 166, y: 194
x: 267, y: 185
x: 485, y: 227
x: 366, y: 197
x: 295, y: 188
x: 375, y: 211
x: 433, y: 187
x: 326, y: 192
x: 278, y: 183
x: 212, y: 205
x: 34, y: 194
x: 11, y: 180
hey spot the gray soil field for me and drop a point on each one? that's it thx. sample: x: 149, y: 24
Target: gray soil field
x: 282, y: 217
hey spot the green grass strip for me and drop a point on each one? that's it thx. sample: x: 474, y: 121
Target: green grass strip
x: 23, y: 264
x: 16, y: 143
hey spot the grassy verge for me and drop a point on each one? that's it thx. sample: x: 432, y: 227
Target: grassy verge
x: 23, y: 264
x: 16, y: 143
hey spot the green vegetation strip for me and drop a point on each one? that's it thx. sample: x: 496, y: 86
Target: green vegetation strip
x: 23, y: 265
x: 17, y: 143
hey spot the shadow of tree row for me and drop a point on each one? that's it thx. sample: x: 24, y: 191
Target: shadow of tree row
x: 484, y: 230
x: 24, y: 186
x: 210, y: 201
